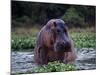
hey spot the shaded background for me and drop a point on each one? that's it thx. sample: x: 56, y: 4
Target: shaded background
x: 33, y: 13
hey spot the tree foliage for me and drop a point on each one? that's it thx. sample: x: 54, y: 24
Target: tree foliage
x: 35, y: 13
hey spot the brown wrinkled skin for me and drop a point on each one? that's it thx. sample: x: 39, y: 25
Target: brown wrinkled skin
x: 54, y: 46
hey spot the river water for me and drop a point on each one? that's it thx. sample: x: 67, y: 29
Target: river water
x: 23, y: 62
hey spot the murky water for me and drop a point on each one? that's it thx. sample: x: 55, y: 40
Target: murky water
x: 23, y: 62
x: 86, y: 59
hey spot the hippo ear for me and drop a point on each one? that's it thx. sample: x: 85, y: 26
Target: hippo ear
x: 55, y: 24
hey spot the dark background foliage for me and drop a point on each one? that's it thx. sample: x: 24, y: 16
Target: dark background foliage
x: 35, y: 13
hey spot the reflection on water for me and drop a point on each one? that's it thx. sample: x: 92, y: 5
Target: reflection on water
x: 86, y: 59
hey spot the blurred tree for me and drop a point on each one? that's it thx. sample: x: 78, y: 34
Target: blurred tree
x: 35, y: 13
x: 72, y: 18
x: 88, y: 12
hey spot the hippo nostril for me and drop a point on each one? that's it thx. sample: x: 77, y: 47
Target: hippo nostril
x: 66, y: 45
